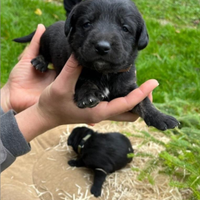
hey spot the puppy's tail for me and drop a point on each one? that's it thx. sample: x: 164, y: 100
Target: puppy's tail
x: 25, y: 39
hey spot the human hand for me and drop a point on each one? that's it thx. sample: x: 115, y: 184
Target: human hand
x: 25, y: 84
x: 57, y: 106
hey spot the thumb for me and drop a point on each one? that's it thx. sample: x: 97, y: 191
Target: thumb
x: 127, y: 103
x: 68, y: 77
x: 32, y: 50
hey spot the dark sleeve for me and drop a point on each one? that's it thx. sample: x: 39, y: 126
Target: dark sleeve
x: 12, y: 142
x: 69, y: 4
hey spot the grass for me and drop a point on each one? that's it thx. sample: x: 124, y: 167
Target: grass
x: 172, y: 57
x: 177, y: 12
x: 19, y: 18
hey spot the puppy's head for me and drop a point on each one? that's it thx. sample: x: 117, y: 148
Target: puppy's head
x: 106, y: 35
x: 77, y: 135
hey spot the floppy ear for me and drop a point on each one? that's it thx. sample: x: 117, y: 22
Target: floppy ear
x: 143, y: 38
x: 69, y: 23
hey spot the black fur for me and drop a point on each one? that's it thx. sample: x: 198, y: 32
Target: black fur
x: 69, y: 4
x: 105, y: 37
x: 101, y: 152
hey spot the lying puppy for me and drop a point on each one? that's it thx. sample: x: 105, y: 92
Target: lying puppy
x: 104, y: 153
x: 105, y: 37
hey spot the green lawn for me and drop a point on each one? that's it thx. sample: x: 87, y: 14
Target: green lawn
x: 18, y: 18
x: 172, y: 57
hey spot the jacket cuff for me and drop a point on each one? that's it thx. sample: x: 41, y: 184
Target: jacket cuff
x: 6, y: 158
x: 12, y: 138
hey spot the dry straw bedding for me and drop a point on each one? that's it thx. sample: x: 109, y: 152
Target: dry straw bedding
x: 43, y: 174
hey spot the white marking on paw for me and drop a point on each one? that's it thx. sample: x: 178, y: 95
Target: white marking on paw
x: 106, y: 92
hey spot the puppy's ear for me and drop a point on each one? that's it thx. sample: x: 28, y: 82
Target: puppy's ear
x: 69, y: 23
x: 143, y: 38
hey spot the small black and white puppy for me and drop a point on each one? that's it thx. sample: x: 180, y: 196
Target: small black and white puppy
x: 105, y: 37
x: 104, y: 153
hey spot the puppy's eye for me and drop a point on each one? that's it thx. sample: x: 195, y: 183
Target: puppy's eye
x: 87, y: 25
x: 125, y: 28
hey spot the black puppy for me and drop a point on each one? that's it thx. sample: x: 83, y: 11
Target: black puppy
x: 105, y: 37
x: 104, y: 153
x: 69, y: 4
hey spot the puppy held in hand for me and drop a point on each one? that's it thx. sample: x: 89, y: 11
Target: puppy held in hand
x: 104, y: 153
x: 105, y: 37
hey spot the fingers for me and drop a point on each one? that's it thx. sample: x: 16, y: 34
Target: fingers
x: 124, y: 104
x: 68, y: 77
x: 33, y: 49
x: 140, y: 93
x: 125, y: 117
x: 150, y: 96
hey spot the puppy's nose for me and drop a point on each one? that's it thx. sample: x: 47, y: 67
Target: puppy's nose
x: 102, y: 47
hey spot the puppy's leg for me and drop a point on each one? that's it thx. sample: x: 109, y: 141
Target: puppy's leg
x: 76, y: 163
x: 99, y: 178
x: 87, y: 95
x: 153, y: 117
x: 40, y: 63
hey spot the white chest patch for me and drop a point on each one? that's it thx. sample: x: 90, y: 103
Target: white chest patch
x: 106, y: 92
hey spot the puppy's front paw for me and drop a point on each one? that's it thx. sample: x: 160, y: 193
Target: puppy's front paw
x: 96, y: 191
x: 40, y: 63
x: 72, y: 163
x: 76, y: 163
x: 161, y: 121
x: 90, y: 99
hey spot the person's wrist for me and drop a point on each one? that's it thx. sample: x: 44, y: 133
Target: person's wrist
x: 32, y: 122
x: 5, y: 98
x: 48, y: 115
x: 45, y: 116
